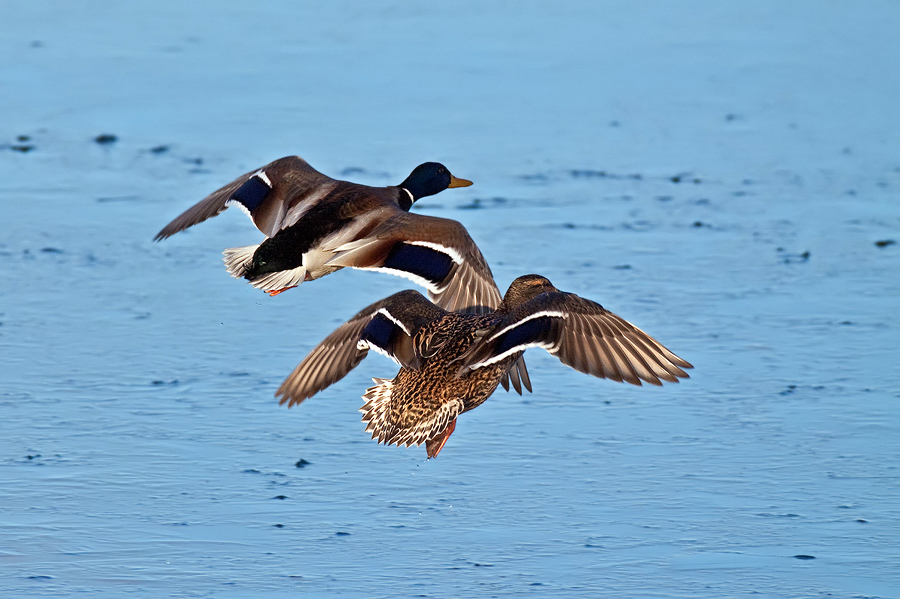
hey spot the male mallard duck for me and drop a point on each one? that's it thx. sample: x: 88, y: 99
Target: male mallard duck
x: 452, y: 362
x: 315, y: 225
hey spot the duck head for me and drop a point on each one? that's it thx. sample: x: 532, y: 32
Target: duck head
x: 430, y: 178
x: 525, y: 288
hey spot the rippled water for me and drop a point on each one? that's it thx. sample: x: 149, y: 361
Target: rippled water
x: 724, y: 177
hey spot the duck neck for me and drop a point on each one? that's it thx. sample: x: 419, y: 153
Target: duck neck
x: 406, y: 199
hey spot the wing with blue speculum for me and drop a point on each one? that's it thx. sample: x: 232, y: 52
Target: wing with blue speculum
x: 436, y: 253
x: 388, y: 327
x: 266, y: 194
x: 583, y: 335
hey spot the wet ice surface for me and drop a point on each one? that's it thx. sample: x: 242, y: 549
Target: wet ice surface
x: 725, y: 179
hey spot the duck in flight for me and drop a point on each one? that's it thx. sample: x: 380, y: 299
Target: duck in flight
x: 452, y: 362
x: 315, y: 225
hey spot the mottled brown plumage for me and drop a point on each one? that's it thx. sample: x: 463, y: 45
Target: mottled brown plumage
x: 452, y: 362
x: 418, y: 404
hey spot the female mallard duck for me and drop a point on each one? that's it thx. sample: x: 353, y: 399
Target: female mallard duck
x: 452, y: 362
x: 315, y: 225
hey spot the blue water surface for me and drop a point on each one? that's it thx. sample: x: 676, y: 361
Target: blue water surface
x: 724, y: 175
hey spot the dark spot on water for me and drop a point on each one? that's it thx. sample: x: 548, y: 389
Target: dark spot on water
x: 429, y: 205
x: 197, y: 162
x: 341, y: 533
x: 250, y: 471
x: 802, y: 556
x: 105, y: 139
x: 884, y: 243
x: 699, y: 224
x: 40, y: 577
x: 675, y: 179
x: 622, y: 267
x: 301, y: 463
x: 31, y: 457
x: 51, y: 250
x: 664, y: 198
x: 790, y: 389
x: 536, y: 177
x: 598, y: 174
x: 638, y: 225
x: 278, y: 525
x: 614, y: 124
x: 732, y: 116
x: 24, y: 148
x: 702, y: 202
x: 352, y: 170
x: 23, y: 137
x: 281, y: 497
x: 171, y: 383
x: 479, y: 203
x: 792, y: 258
x: 862, y: 520
x: 588, y: 173
x: 159, y: 149
x: 37, y: 44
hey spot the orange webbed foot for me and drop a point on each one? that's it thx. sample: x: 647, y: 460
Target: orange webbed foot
x: 433, y: 446
x: 277, y: 291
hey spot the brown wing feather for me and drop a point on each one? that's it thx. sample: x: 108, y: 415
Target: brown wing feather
x: 338, y: 353
x: 588, y: 338
x: 612, y: 345
x: 469, y: 286
x: 292, y: 180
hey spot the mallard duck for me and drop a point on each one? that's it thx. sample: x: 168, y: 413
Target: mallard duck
x: 452, y: 362
x: 315, y: 225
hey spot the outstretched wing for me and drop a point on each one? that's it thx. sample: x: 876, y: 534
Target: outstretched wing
x: 274, y: 196
x: 388, y: 326
x: 583, y: 335
x: 436, y: 253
